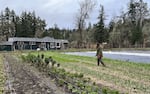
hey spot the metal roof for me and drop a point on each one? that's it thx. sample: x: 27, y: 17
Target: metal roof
x: 6, y: 43
x: 45, y: 39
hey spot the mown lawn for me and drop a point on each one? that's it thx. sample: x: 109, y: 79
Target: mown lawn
x: 128, y: 77
x: 2, y: 77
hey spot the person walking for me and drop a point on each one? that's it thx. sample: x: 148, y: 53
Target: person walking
x: 99, y: 55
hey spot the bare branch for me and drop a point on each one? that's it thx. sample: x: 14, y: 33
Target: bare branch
x: 86, y: 7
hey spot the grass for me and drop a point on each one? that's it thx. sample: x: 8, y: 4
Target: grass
x: 128, y: 77
x: 2, y: 77
x: 77, y: 50
x: 105, y: 49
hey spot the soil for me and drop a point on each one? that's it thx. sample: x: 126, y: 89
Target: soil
x: 25, y: 79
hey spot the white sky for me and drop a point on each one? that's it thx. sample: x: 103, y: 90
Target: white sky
x: 62, y: 12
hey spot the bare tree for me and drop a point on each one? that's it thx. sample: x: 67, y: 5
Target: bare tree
x: 146, y: 33
x: 86, y: 7
x: 137, y: 12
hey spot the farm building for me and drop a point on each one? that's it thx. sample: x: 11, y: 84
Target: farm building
x: 22, y: 43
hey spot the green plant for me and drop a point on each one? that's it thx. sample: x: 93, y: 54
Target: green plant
x: 126, y: 75
x: 2, y: 76
x: 53, y: 63
x: 58, y: 65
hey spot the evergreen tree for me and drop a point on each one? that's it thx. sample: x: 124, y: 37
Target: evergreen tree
x: 39, y: 27
x: 100, y: 33
x: 7, y: 22
x: 17, y: 26
x: 7, y: 26
x: 26, y: 25
x: 12, y: 23
x: 2, y: 21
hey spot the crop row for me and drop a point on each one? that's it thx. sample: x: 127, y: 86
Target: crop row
x: 74, y: 83
x: 126, y: 77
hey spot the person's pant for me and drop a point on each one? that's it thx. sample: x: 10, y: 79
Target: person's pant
x: 99, y: 60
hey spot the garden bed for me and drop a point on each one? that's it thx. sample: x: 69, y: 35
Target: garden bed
x: 74, y: 83
x: 125, y: 77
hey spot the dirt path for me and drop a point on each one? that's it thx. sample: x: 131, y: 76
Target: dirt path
x: 25, y: 79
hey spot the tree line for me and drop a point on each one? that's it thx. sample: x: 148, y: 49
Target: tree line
x: 130, y: 29
x: 25, y: 25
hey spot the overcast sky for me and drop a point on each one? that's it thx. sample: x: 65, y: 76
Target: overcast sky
x: 62, y: 12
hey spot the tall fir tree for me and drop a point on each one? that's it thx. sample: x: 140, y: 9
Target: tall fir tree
x: 100, y: 31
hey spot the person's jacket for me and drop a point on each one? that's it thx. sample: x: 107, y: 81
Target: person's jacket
x: 99, y: 52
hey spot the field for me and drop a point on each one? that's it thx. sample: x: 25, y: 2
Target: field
x: 2, y: 77
x: 126, y: 77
